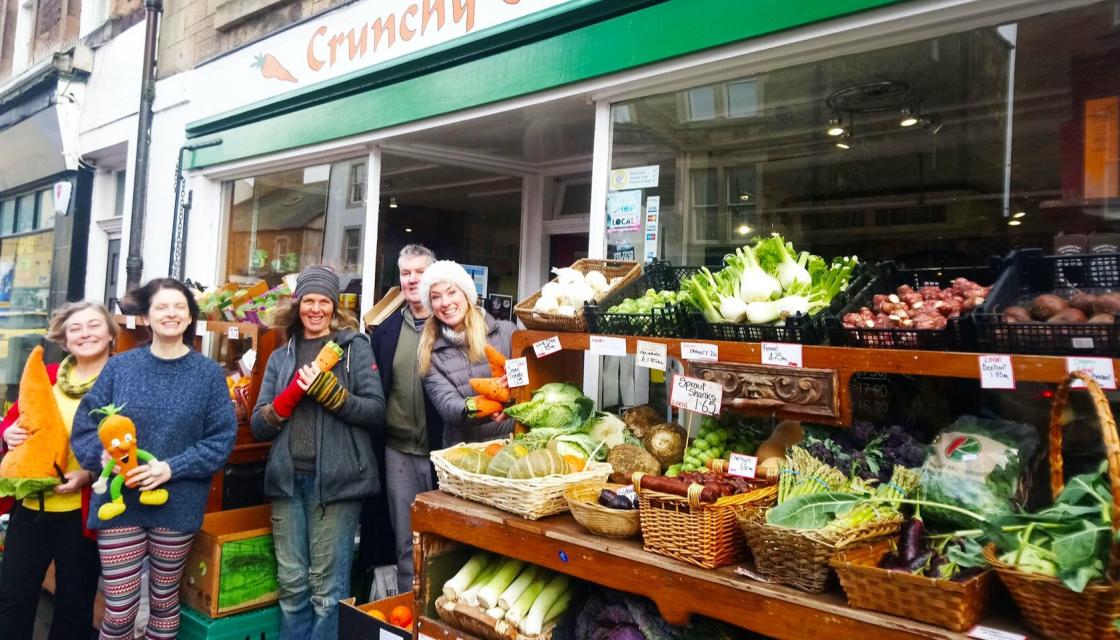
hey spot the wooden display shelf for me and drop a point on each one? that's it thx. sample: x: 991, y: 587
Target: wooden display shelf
x: 439, y: 630
x: 845, y: 361
x: 679, y: 589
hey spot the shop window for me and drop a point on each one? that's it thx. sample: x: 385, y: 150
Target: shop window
x: 7, y: 217
x: 357, y: 185
x: 25, y: 213
x: 45, y: 203
x: 939, y: 151
x: 118, y: 193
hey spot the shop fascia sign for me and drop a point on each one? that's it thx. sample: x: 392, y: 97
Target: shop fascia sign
x: 361, y: 35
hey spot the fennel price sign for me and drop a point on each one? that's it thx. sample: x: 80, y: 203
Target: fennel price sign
x: 694, y: 394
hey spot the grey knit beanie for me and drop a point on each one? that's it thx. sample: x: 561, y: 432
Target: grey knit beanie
x: 320, y: 280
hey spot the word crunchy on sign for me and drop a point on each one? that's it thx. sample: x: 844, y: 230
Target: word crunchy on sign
x: 694, y: 394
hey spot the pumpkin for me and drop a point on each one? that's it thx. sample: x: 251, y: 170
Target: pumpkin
x: 504, y: 459
x: 468, y: 459
x: 538, y: 464
x: 38, y: 463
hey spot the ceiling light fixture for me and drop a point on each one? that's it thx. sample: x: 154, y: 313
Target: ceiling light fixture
x: 1014, y: 223
x: 743, y: 230
x: 1018, y: 214
x: 393, y: 202
x: 745, y: 196
x: 834, y: 126
x: 844, y: 143
x: 408, y: 229
x: 908, y: 118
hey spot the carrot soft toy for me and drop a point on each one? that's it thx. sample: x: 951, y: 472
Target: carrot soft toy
x: 38, y: 463
x: 284, y: 404
x: 118, y: 436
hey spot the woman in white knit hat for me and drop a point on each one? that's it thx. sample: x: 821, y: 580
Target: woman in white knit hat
x: 452, y: 351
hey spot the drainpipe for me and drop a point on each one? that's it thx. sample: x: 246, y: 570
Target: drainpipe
x: 134, y: 265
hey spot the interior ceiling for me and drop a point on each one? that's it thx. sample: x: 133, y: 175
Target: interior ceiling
x: 416, y: 183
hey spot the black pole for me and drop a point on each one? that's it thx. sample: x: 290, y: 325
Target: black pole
x: 134, y: 265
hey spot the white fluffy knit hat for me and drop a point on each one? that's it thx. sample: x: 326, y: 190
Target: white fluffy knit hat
x: 446, y: 272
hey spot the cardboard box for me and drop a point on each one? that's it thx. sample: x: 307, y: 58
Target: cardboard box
x: 232, y: 564
x: 392, y: 301
x: 356, y: 623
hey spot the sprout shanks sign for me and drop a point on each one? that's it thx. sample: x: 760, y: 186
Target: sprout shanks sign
x: 357, y: 36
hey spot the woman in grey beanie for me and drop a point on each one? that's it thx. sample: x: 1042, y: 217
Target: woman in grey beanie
x: 321, y: 466
x: 452, y: 351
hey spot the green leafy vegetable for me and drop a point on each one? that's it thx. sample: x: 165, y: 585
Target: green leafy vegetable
x: 556, y: 405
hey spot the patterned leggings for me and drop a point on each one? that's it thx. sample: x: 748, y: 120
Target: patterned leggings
x: 122, y: 558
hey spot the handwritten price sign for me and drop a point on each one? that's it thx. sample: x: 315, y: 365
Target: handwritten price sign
x: 740, y: 464
x: 548, y: 346
x: 517, y: 372
x: 996, y: 372
x: 694, y: 394
x: 782, y: 354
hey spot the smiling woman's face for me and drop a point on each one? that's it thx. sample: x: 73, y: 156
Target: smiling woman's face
x: 87, y: 334
x: 315, y: 313
x: 169, y: 315
x: 449, y: 304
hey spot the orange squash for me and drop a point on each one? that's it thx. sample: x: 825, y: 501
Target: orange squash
x: 38, y: 463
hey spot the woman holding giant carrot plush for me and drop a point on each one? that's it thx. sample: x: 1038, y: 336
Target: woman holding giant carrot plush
x: 320, y: 396
x: 48, y: 524
x: 167, y: 407
x: 462, y: 357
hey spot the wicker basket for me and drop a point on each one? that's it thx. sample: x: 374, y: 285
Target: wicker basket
x: 945, y: 603
x: 801, y: 558
x: 474, y: 621
x: 533, y: 498
x: 625, y: 269
x: 1047, y: 604
x: 703, y: 534
x: 612, y: 523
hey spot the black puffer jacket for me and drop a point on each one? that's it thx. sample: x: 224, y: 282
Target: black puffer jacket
x: 346, y: 468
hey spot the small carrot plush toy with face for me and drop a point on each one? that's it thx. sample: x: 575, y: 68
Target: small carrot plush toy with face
x: 118, y: 435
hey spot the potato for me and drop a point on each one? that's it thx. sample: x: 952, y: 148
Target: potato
x: 1047, y: 305
x: 1067, y: 315
x: 1108, y: 303
x: 1083, y: 302
x: 1102, y: 318
x: 1013, y: 315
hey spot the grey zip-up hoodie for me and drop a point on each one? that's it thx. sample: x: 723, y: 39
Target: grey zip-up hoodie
x: 346, y: 468
x: 448, y: 386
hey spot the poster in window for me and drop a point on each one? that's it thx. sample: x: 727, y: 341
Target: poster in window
x: 480, y: 275
x: 624, y: 211
x: 499, y: 306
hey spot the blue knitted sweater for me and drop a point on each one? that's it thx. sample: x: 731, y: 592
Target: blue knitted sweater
x: 183, y: 415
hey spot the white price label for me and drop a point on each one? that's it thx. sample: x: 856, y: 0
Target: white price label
x: 200, y: 327
x: 782, y: 354
x: 699, y: 351
x: 988, y: 633
x: 1100, y: 368
x: 385, y: 634
x: 517, y: 372
x: 652, y: 355
x: 130, y: 322
x: 546, y: 347
x: 233, y: 332
x: 608, y: 346
x: 627, y: 491
x: 742, y: 465
x: 694, y: 394
x: 996, y: 372
x: 1081, y: 343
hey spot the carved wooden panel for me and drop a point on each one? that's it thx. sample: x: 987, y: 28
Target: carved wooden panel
x: 757, y: 387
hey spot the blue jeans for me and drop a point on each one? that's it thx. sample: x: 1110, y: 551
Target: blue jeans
x: 314, y: 550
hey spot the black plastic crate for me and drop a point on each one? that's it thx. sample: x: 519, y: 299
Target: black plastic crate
x: 958, y: 334
x: 1029, y: 273
x: 799, y: 329
x: 669, y: 322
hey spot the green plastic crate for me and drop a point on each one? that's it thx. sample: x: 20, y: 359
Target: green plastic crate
x: 261, y: 624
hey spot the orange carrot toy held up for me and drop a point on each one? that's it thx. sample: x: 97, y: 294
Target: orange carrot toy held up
x: 38, y: 463
x: 491, y: 388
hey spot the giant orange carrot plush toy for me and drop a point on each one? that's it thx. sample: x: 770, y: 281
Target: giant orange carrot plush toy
x: 118, y: 436
x: 38, y: 463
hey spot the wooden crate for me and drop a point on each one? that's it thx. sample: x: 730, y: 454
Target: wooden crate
x: 232, y: 565
x: 356, y: 623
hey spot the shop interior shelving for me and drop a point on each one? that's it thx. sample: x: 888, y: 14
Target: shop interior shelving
x: 681, y: 589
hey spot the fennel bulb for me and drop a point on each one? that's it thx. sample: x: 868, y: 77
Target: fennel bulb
x: 762, y: 312
x: 732, y: 309
x: 754, y: 283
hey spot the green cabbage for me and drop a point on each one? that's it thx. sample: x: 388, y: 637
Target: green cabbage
x: 556, y: 405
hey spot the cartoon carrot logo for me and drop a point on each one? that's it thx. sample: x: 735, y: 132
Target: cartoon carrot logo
x: 270, y: 67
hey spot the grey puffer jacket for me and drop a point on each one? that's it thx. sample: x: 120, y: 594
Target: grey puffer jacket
x: 345, y: 467
x: 448, y: 386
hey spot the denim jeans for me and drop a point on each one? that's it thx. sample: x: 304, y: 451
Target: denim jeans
x: 314, y: 550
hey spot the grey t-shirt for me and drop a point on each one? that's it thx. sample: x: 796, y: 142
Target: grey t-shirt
x: 301, y: 439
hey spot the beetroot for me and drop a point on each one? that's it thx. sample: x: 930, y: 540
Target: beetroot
x: 1083, y: 302
x: 1047, y: 305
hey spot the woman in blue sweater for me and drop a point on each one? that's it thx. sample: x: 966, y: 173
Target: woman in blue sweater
x: 184, y: 418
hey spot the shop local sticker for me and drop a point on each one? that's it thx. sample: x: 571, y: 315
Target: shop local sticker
x: 699, y: 352
x: 547, y: 347
x: 694, y: 394
x: 608, y: 346
x: 652, y: 355
x: 782, y: 354
x: 1100, y: 368
x: 996, y: 372
x: 740, y: 464
x: 517, y: 372
x: 624, y: 211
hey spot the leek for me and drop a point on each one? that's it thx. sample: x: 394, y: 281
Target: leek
x: 466, y: 576
x: 525, y: 602
x: 514, y: 591
x: 496, y: 613
x: 503, y: 577
x: 558, y: 608
x: 531, y: 625
x: 470, y: 596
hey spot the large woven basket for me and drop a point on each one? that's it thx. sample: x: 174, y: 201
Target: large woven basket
x: 945, y: 603
x: 583, y: 501
x: 1046, y: 603
x: 625, y: 269
x: 474, y: 621
x: 687, y: 529
x: 801, y: 558
x: 532, y: 498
